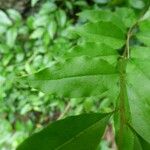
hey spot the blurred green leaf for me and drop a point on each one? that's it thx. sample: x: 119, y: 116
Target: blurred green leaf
x: 101, y: 1
x: 4, y: 19
x: 11, y: 36
x: 138, y: 4
x: 14, y: 15
x: 48, y: 7
x: 61, y: 17
x: 33, y: 2
x: 37, y: 33
x: 52, y: 27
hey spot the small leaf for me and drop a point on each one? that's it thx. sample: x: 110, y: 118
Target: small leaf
x: 4, y: 20
x: 33, y: 2
x: 11, y: 36
x: 81, y: 132
x: 48, y: 7
x: 138, y: 4
x: 146, y: 15
x: 52, y: 27
x: 101, y: 1
x: 37, y: 33
x: 14, y: 15
x: 3, y: 29
x: 40, y: 21
x: 61, y: 17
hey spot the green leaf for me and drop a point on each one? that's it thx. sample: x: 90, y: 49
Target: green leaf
x: 144, y: 34
x: 76, y: 77
x: 101, y: 1
x: 127, y: 16
x: 94, y: 50
x: 138, y: 4
x: 77, y: 132
x: 122, y: 17
x: 140, y: 52
x: 3, y: 29
x: 52, y: 27
x: 103, y: 32
x: 103, y: 15
x: 138, y: 92
x: 99, y: 66
x: 14, y: 15
x: 139, y: 142
x: 11, y: 36
x: 33, y: 2
x: 128, y: 139
x: 40, y: 21
x: 147, y: 14
x: 61, y: 17
x: 48, y: 7
x: 144, y: 38
x: 37, y: 33
x: 96, y: 15
x: 4, y: 19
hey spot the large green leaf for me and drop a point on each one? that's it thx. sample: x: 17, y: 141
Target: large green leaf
x: 102, y: 15
x: 98, y: 65
x: 81, y: 132
x: 76, y: 77
x: 103, y: 32
x: 92, y: 49
x: 122, y: 17
x: 138, y: 86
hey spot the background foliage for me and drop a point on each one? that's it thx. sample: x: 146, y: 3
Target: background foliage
x: 32, y: 35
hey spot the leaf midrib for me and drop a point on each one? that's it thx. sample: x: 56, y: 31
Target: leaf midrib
x: 79, y: 76
x: 105, y: 36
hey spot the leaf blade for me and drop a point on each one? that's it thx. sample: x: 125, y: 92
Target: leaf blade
x: 77, y: 77
x: 103, y: 32
x: 139, y: 96
x: 64, y: 134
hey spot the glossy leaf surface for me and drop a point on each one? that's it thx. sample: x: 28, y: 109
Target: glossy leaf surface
x: 81, y: 132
